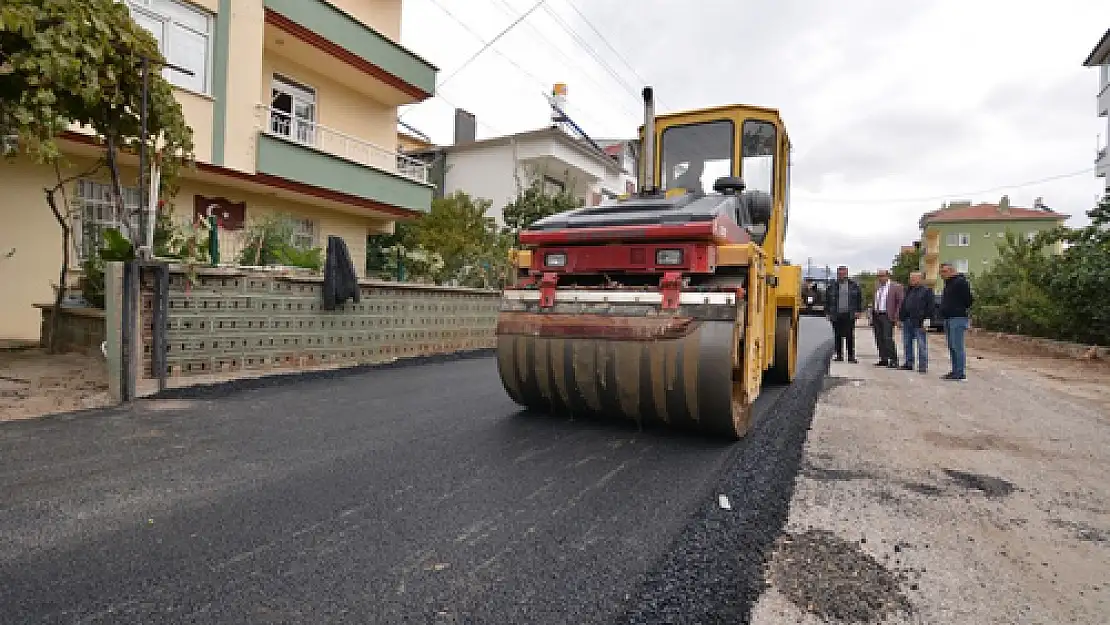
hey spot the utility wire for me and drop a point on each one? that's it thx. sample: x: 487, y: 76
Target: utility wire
x: 818, y: 199
x: 585, y: 46
x: 570, y: 61
x: 543, y: 85
x: 605, y: 41
x: 485, y: 46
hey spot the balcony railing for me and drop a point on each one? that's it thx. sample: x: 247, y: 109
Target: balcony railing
x: 1101, y: 154
x: 330, y: 141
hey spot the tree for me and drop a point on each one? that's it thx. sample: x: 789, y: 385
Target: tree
x: 1010, y: 295
x: 866, y: 281
x: 64, y: 62
x: 458, y: 230
x: 533, y: 203
x: 905, y: 263
x: 1078, y: 280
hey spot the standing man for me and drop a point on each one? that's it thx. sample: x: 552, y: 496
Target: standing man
x: 916, y: 308
x: 888, y: 299
x: 955, y: 305
x: 843, y: 305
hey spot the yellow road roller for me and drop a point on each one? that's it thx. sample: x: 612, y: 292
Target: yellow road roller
x: 672, y: 305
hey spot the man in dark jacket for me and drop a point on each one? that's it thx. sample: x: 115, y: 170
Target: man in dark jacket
x: 955, y: 305
x: 843, y: 306
x: 917, y: 306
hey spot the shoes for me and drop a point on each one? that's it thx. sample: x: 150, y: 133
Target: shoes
x: 923, y: 370
x: 952, y: 377
x: 838, y: 358
x: 907, y: 367
x: 881, y: 363
x: 893, y: 364
x: 852, y: 359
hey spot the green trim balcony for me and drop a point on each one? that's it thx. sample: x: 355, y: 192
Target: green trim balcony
x: 325, y: 27
x: 318, y: 156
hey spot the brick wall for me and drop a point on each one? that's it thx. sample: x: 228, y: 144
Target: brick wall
x: 234, y: 320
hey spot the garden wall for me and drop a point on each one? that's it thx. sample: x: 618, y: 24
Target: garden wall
x: 232, y: 321
x: 79, y: 329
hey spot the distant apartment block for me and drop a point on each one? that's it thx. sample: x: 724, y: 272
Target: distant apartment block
x: 967, y: 235
x: 1100, y: 58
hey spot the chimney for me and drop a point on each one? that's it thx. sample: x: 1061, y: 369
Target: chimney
x: 1004, y: 205
x: 1038, y: 204
x: 465, y: 126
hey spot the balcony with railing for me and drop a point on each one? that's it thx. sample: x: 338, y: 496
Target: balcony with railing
x: 300, y: 149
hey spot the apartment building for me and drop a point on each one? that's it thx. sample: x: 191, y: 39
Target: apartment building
x: 968, y: 235
x: 1100, y: 58
x: 494, y: 168
x: 293, y: 104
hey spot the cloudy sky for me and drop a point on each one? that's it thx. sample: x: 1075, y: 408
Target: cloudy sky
x: 892, y: 106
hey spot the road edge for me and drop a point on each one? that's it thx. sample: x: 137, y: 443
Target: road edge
x: 714, y: 569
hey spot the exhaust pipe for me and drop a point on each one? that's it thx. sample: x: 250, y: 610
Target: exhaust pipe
x: 649, y: 141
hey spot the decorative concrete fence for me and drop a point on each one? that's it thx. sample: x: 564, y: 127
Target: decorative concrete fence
x: 229, y: 323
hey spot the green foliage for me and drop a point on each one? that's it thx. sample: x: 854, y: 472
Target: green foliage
x: 455, y: 243
x: 533, y: 203
x: 115, y: 247
x: 1079, y: 279
x: 866, y: 281
x: 1010, y: 297
x: 904, y: 264
x: 66, y: 61
x: 270, y: 241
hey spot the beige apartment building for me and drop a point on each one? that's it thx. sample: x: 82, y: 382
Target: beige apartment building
x: 293, y: 104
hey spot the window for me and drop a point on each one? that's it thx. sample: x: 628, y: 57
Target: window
x: 757, y: 163
x: 962, y: 265
x: 965, y: 239
x: 1029, y: 236
x: 184, y: 38
x: 1001, y: 235
x: 304, y: 233
x: 553, y: 186
x: 96, y: 212
x: 695, y: 155
x: 952, y: 240
x: 292, y: 110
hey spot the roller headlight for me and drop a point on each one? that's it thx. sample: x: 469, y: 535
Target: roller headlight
x: 555, y: 260
x: 668, y: 257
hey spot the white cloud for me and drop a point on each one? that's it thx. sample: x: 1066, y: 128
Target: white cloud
x: 883, y: 100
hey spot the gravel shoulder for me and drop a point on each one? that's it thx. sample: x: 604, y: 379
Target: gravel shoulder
x: 925, y: 501
x: 34, y: 383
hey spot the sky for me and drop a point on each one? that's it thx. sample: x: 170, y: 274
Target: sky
x: 892, y: 107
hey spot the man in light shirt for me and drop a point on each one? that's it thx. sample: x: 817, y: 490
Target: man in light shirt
x: 888, y: 300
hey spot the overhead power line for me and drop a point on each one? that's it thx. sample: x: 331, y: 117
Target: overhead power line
x: 947, y: 196
x: 485, y: 46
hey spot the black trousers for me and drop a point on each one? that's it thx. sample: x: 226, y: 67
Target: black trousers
x: 844, y: 333
x: 884, y: 337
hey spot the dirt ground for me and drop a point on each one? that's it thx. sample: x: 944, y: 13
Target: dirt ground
x: 34, y: 383
x: 927, y: 501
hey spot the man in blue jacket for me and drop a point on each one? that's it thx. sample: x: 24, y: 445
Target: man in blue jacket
x: 917, y: 306
x: 955, y: 306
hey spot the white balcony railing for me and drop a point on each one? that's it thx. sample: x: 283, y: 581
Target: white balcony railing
x: 317, y: 136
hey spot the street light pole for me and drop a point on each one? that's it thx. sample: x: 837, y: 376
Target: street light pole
x: 146, y: 218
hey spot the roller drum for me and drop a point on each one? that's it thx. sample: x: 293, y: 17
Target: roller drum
x: 683, y: 381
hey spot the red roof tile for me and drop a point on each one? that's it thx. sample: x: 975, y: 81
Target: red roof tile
x: 988, y: 212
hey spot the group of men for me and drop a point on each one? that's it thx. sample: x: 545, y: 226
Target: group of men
x: 905, y: 307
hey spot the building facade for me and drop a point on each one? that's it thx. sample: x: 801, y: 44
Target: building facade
x: 1100, y: 58
x: 968, y: 235
x: 497, y: 168
x: 293, y: 106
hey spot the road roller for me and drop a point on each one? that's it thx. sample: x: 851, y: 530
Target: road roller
x: 672, y: 305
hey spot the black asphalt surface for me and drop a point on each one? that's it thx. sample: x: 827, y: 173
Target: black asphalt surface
x: 407, y: 494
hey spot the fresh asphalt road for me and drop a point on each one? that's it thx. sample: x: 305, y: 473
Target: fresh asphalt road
x: 417, y: 494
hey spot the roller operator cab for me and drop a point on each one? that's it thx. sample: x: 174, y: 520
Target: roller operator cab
x: 673, y: 305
